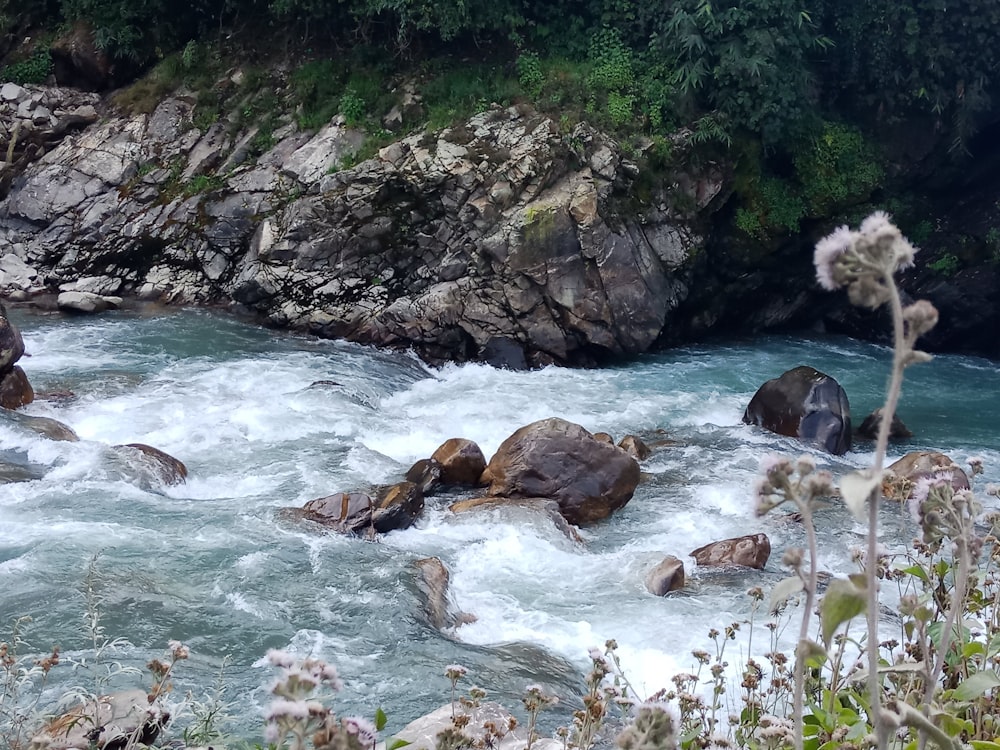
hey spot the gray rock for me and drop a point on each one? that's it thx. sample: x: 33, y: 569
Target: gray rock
x: 422, y: 733
x: 124, y: 718
x: 666, y: 577
x: 11, y: 92
x: 82, y: 302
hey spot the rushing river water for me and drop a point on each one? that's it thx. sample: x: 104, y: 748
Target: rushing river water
x: 211, y: 563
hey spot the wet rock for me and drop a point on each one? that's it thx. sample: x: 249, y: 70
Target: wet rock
x: 15, y: 390
x: 750, y: 551
x: 806, y: 404
x: 556, y: 459
x: 432, y: 581
x: 167, y: 469
x: 666, y: 577
x: 124, y: 719
x: 397, y: 507
x: 344, y: 512
x: 461, y: 461
x: 870, y: 426
x: 504, y: 353
x: 604, y: 437
x: 635, y: 447
x: 426, y: 474
x: 917, y: 465
x: 11, y: 343
x: 422, y: 733
x: 50, y: 428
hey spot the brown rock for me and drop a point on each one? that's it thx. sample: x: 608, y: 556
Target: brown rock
x: 433, y: 579
x: 15, y: 390
x: 11, y: 343
x: 345, y: 512
x: 870, y: 426
x: 635, y: 447
x: 917, y: 465
x: 806, y: 404
x: 560, y: 460
x: 604, y: 437
x: 749, y: 551
x: 169, y: 469
x: 397, y: 507
x: 461, y: 461
x: 666, y: 577
x: 425, y: 473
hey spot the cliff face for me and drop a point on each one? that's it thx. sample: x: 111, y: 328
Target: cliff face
x: 499, y: 239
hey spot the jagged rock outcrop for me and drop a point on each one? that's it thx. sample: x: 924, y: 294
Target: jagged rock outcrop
x: 500, y: 239
x: 751, y: 551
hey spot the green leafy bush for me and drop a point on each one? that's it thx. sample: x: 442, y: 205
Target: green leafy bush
x: 34, y: 69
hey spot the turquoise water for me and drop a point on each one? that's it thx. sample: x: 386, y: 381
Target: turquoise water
x: 211, y: 563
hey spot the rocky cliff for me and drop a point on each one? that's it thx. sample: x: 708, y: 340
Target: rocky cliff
x: 500, y: 239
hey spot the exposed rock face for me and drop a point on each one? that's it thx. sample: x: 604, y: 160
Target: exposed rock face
x: 461, y: 461
x: 666, y: 577
x: 499, y: 239
x: 749, y: 551
x: 560, y: 460
x: 918, y: 465
x: 806, y: 404
x: 421, y: 734
x: 33, y: 119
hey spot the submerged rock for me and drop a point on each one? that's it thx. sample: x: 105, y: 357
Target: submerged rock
x: 394, y: 507
x: 560, y: 460
x: 163, y: 466
x: 432, y: 581
x: 806, y: 404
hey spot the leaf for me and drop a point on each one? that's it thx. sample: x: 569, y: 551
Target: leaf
x: 856, y: 488
x: 842, y: 601
x: 977, y: 684
x: 812, y: 653
x: 380, y: 719
x: 917, y: 572
x: 783, y: 590
x: 984, y: 745
x: 397, y: 743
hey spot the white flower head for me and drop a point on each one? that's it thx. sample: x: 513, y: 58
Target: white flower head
x: 828, y: 252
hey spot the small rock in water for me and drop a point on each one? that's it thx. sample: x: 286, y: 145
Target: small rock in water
x: 666, y: 577
x: 166, y: 468
x: 750, y: 551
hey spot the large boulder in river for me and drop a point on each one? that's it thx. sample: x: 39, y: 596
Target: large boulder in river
x: 804, y: 403
x: 560, y: 460
x: 873, y: 422
x: 916, y: 465
x: 461, y: 461
x: 749, y: 551
x: 15, y: 390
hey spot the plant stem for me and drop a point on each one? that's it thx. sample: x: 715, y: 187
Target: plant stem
x: 900, y: 351
x: 810, y: 587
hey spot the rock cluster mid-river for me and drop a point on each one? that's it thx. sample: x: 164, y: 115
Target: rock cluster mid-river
x: 210, y: 562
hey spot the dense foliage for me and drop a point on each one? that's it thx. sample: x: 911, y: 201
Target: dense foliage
x: 802, y: 93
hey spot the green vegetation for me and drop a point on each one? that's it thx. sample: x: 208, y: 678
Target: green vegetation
x: 34, y: 69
